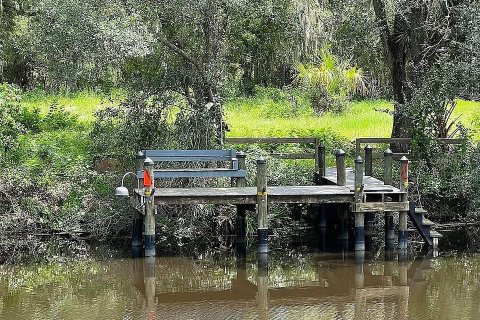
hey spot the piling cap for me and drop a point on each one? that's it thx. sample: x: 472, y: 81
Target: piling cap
x: 240, y: 154
x: 388, y: 153
x: 261, y: 160
x: 340, y: 153
x: 403, y: 159
x: 148, y: 162
x: 368, y: 147
x: 358, y: 159
x: 140, y: 155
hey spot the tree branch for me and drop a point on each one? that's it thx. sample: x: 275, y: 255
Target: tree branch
x: 181, y: 53
x: 195, y: 63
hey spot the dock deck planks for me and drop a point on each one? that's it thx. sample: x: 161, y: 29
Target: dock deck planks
x: 248, y: 195
x: 370, y: 184
x: 330, y: 193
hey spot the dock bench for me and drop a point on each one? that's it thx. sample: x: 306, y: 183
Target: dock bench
x: 157, y: 156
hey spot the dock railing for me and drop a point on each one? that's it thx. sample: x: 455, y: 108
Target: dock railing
x: 396, y: 156
x: 284, y: 155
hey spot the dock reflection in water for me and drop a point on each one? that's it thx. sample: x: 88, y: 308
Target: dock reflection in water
x: 348, y: 287
x: 281, y: 285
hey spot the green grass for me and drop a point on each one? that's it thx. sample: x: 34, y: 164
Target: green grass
x: 270, y: 113
x: 83, y: 103
x: 277, y: 116
x: 363, y: 119
x: 468, y: 113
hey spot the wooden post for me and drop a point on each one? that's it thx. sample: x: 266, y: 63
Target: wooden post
x: 137, y: 221
x: 149, y: 236
x: 368, y: 160
x: 241, y: 226
x: 343, y: 224
x: 387, y: 167
x: 389, y: 231
x: 317, y: 155
x: 241, y: 182
x: 321, y: 162
x: 359, y: 216
x: 341, y: 169
x: 262, y: 210
x: 402, y: 224
x: 140, y: 158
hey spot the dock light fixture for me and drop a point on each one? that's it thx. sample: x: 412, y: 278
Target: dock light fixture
x: 123, y: 191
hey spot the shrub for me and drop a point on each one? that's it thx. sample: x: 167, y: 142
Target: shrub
x: 331, y: 83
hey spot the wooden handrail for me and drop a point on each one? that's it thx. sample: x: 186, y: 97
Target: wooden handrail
x: 359, y: 141
x: 269, y: 140
x: 294, y: 156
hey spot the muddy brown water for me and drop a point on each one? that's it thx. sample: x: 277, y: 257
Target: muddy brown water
x: 284, y: 285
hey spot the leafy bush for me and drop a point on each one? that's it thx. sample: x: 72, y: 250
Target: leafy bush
x: 331, y: 83
x: 10, y: 113
x: 57, y: 119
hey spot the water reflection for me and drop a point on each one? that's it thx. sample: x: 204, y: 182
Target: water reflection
x: 279, y: 286
x: 338, y: 289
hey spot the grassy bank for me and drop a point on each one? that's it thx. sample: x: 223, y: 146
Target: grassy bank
x: 274, y: 113
x: 270, y: 113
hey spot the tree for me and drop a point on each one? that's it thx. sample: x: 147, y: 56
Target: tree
x: 419, y: 38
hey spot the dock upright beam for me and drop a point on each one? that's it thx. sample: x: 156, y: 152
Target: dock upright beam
x: 387, y: 167
x: 149, y: 236
x: 241, y: 225
x: 387, y: 179
x: 262, y: 208
x: 322, y: 164
x: 402, y: 224
x: 137, y: 222
x: 368, y: 160
x: 389, y: 231
x: 341, y: 169
x: 359, y: 216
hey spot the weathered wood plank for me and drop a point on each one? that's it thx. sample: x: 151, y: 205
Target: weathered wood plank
x: 248, y: 195
x: 293, y: 155
x: 378, y: 206
x: 370, y: 184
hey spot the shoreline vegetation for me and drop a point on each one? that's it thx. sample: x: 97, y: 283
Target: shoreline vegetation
x: 57, y: 190
x: 270, y: 113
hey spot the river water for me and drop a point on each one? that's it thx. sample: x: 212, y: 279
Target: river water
x: 284, y: 285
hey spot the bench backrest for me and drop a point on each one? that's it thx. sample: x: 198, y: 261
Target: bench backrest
x: 195, y: 156
x: 190, y: 155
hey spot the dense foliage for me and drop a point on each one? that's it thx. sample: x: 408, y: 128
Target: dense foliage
x: 179, y: 62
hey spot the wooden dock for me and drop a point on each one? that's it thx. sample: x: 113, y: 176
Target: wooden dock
x: 353, y: 190
x: 329, y: 193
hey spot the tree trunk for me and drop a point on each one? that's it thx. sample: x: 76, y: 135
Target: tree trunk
x: 395, y: 54
x: 247, y: 77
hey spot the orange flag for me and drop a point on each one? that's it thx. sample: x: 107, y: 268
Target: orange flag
x: 147, y: 180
